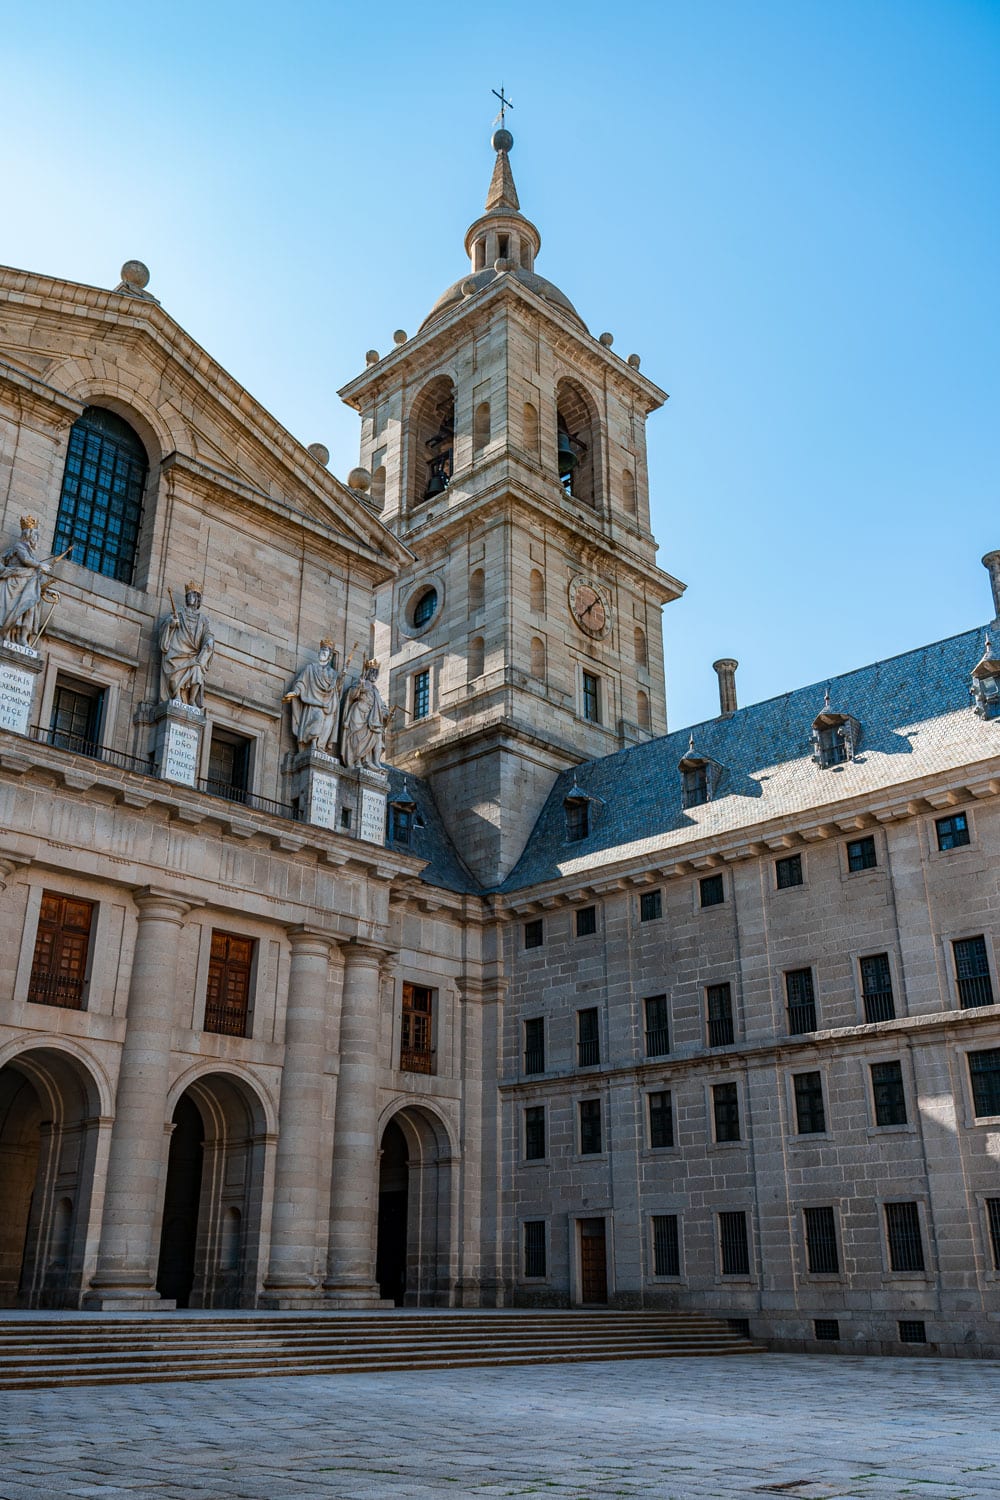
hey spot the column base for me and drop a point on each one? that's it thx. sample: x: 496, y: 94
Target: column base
x: 291, y: 1294
x: 335, y: 1296
x: 127, y: 1302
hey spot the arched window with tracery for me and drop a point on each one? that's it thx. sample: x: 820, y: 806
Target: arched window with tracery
x: 432, y: 440
x: 100, y: 505
x: 576, y: 442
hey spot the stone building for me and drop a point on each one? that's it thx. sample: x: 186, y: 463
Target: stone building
x: 562, y: 1008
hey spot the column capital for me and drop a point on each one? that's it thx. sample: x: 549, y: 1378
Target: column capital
x: 156, y: 904
x: 361, y: 951
x: 315, y: 940
x: 9, y: 866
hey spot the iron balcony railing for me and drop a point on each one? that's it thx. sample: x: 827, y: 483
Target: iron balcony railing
x: 232, y: 792
x: 802, y: 1017
x: 975, y: 990
x: 657, y: 1041
x: 45, y: 988
x: 720, y: 1031
x: 879, y: 1006
x: 534, y: 1060
x: 589, y: 1052
x: 413, y: 1061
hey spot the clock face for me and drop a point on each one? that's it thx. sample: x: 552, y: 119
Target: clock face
x: 589, y: 607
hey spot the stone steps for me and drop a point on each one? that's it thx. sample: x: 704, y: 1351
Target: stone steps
x: 75, y: 1350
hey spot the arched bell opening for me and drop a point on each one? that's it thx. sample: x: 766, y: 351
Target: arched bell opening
x: 210, y: 1234
x: 577, y: 442
x: 432, y: 440
x: 49, y: 1113
x: 415, y: 1259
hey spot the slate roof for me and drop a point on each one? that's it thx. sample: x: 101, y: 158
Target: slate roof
x: 916, y: 719
x: 429, y: 838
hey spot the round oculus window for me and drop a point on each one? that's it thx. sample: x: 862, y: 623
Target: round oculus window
x: 425, y: 607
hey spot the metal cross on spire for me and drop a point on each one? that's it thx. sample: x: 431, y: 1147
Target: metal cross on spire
x: 505, y: 104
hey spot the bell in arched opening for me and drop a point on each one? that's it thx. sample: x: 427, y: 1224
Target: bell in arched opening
x: 439, y: 450
x: 569, y: 451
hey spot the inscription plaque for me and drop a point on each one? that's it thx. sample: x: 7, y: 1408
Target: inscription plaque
x: 373, y: 816
x: 181, y: 747
x: 323, y: 799
x: 17, y: 692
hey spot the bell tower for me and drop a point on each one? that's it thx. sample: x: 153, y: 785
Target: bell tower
x: 507, y: 450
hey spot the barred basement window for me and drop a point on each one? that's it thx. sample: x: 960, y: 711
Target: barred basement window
x: 821, y: 1241
x: 826, y: 1328
x: 650, y: 906
x: 534, y: 933
x: 590, y: 1127
x: 588, y: 1041
x: 809, y: 1112
x: 666, y: 1248
x: 712, y: 890
x: 993, y: 1219
x: 534, y: 1248
x: 62, y: 947
x: 661, y: 1120
x: 733, y: 1246
x: 889, y: 1094
x: 952, y: 832
x: 876, y: 988
x: 227, y: 999
x: 657, y: 1026
x: 788, y: 871
x: 416, y: 1054
x: 586, y: 921
x: 534, y: 1045
x: 100, y: 506
x: 726, y: 1109
x: 801, y: 1001
x: 534, y: 1133
x: 902, y: 1225
x: 861, y: 855
x: 912, y: 1331
x: 984, y: 1074
x: 719, y: 1000
x: 972, y: 972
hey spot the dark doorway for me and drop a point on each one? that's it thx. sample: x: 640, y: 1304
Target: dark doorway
x: 20, y: 1135
x: 179, y: 1237
x: 593, y: 1262
x: 393, y: 1206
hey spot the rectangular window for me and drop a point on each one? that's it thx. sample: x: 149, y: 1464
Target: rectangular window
x: 534, y: 1133
x: 801, y: 1001
x: 650, y: 906
x: 876, y: 988
x: 421, y: 694
x: 591, y: 698
x: 788, y: 871
x: 888, y: 1093
x: 821, y: 1241
x: 984, y: 1073
x: 733, y: 1245
x: 952, y: 832
x: 228, y: 766
x: 416, y: 1054
x: 587, y: 1039
x: 534, y: 1045
x: 661, y: 1120
x: 719, y: 1002
x: 400, y: 824
x: 826, y: 1328
x: 657, y: 1026
x: 993, y: 1220
x: 586, y: 921
x: 534, y: 933
x: 809, y: 1113
x: 62, y: 947
x: 726, y: 1108
x: 77, y: 711
x: 534, y: 1247
x: 666, y: 1248
x: 590, y: 1127
x: 712, y: 890
x: 902, y: 1227
x: 694, y: 784
x: 227, y: 998
x: 577, y: 819
x: 861, y: 854
x: 972, y: 972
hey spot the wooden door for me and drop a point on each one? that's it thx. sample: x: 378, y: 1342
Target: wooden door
x: 593, y: 1262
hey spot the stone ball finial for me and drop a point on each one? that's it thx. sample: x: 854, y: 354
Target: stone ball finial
x: 359, y: 479
x: 502, y: 140
x: 634, y: 361
x: 136, y: 274
x: 502, y: 265
x: 468, y: 286
x: 399, y: 337
x: 372, y: 357
x: 320, y: 453
x: 607, y: 339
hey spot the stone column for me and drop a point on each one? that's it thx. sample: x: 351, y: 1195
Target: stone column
x: 297, y: 1238
x: 126, y: 1265
x: 350, y: 1280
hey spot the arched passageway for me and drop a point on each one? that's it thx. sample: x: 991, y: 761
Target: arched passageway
x: 49, y: 1113
x: 210, y: 1236
x: 415, y: 1263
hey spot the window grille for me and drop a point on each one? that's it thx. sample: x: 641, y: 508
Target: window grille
x: 993, y: 1220
x: 657, y: 1026
x: 590, y: 1127
x: 591, y: 698
x: 534, y: 933
x: 912, y: 1331
x: 876, y: 988
x: 788, y: 871
x: 588, y: 1040
x: 425, y: 607
x: 666, y: 1246
x: 577, y: 819
x: 712, y: 890
x: 534, y: 1247
x: 801, y: 1001
x: 421, y: 695
x: 661, y: 1120
x: 721, y: 1031
x: 906, y: 1250
x: 726, y: 1108
x: 952, y: 832
x: 984, y: 1073
x: 586, y: 921
x: 972, y: 972
x: 534, y: 1133
x: 821, y: 1241
x: 416, y: 1054
x: 77, y: 710
x: 861, y: 855
x: 62, y: 947
x: 733, y: 1245
x: 100, y: 506
x: 889, y: 1094
x: 809, y: 1112
x: 826, y: 1328
x: 534, y: 1045
x: 650, y: 906
x: 227, y: 999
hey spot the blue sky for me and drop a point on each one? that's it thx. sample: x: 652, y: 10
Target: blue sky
x: 788, y: 208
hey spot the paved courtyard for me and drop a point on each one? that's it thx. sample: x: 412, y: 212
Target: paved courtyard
x: 811, y: 1428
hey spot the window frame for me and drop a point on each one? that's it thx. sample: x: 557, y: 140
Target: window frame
x: 587, y: 1102
x: 827, y: 1272
x: 985, y: 938
x: 667, y: 1113
x: 973, y: 1119
x: 533, y: 1133
x: 866, y: 856
x: 714, y: 1089
x: 678, y: 1251
x: 710, y: 1020
x: 792, y: 861
x: 747, y: 1217
x: 714, y: 881
x: 656, y: 1031
x: 654, y: 899
x: 420, y: 694
x: 226, y: 964
x: 925, y: 1272
x: 532, y: 933
x: 585, y: 921
x: 588, y: 1046
x: 407, y: 1033
x: 861, y: 960
x: 936, y: 845
x: 870, y: 1064
x: 787, y: 974
x: 542, y: 1275
x: 66, y: 516
x: 527, y: 1046
x: 797, y: 1113
x: 590, y: 697
x: 44, y: 924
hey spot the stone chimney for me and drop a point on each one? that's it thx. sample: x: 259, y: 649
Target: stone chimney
x: 991, y: 562
x: 726, y: 669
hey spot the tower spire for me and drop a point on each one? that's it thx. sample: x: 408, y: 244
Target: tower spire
x: 502, y: 196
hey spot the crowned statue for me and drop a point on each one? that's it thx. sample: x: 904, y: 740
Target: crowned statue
x: 364, y: 722
x: 187, y: 647
x: 22, y: 588
x: 315, y: 699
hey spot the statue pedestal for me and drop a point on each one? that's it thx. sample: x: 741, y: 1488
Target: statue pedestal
x: 177, y: 748
x: 315, y: 784
x: 20, y: 668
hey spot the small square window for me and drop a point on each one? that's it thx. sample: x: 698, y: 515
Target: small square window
x: 726, y: 1109
x: 788, y: 871
x: 650, y: 906
x: 586, y: 921
x: 861, y: 854
x: 712, y: 889
x: 952, y: 832
x: 590, y: 1127
x: 889, y: 1093
x: 534, y: 1133
x: 666, y: 1247
x: 534, y: 933
x: 661, y: 1120
x: 421, y: 695
x: 809, y: 1112
x: 912, y: 1331
x: 826, y: 1328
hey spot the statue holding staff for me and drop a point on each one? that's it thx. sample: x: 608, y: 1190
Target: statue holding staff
x: 363, y: 726
x: 187, y: 647
x: 23, y: 587
x: 315, y: 699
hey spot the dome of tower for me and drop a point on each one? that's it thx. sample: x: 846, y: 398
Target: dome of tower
x: 456, y: 293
